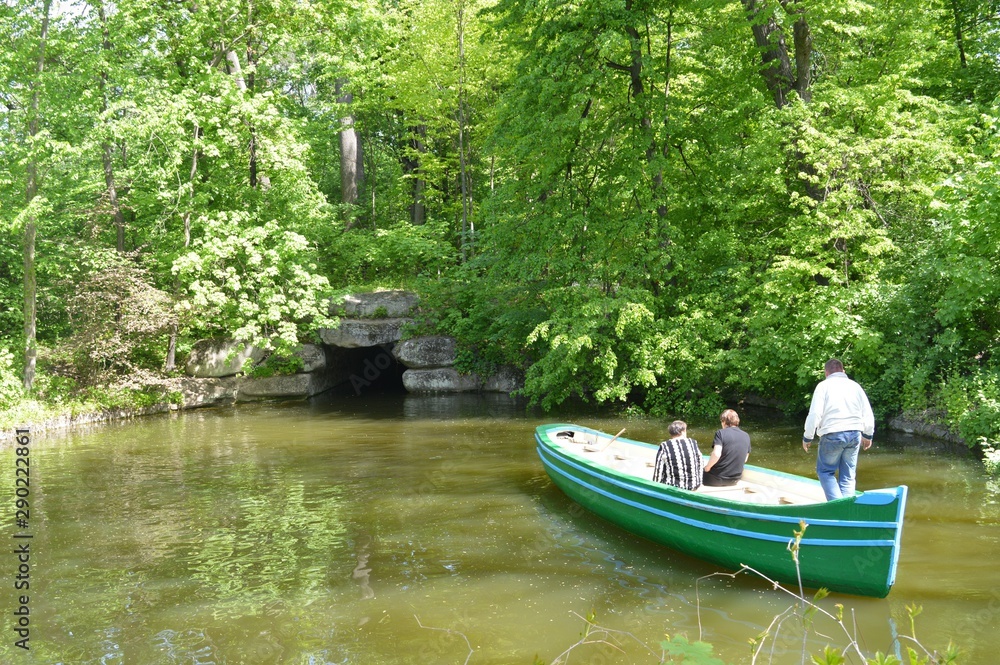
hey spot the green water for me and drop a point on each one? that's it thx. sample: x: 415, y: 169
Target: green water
x: 415, y: 529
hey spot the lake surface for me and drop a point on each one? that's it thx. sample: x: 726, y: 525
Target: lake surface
x: 404, y: 529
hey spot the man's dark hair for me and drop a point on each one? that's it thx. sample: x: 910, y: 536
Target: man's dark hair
x: 833, y: 365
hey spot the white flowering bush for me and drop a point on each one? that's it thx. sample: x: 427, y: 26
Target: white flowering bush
x: 255, y: 282
x: 991, y: 456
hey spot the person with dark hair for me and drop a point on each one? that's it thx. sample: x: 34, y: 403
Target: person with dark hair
x: 678, y: 461
x: 842, y: 417
x: 730, y: 451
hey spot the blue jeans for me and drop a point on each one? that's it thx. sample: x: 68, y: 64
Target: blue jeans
x: 838, y: 451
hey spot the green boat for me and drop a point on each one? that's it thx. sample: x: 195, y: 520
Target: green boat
x: 851, y: 544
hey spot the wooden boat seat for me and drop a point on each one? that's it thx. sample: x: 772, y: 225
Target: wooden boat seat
x: 744, y: 491
x: 739, y: 488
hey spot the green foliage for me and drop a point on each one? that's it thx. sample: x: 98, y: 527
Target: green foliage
x: 641, y: 220
x: 678, y: 650
x: 10, y: 382
x: 973, y: 405
x: 831, y: 656
x: 392, y: 256
x: 59, y: 398
x: 276, y: 364
x: 490, y: 321
x: 593, y: 345
x: 991, y: 455
x: 943, y: 359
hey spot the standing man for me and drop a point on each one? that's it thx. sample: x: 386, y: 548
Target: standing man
x: 730, y: 451
x: 842, y: 417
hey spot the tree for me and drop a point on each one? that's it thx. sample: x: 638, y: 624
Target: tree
x: 31, y: 211
x: 352, y: 169
x: 118, y: 217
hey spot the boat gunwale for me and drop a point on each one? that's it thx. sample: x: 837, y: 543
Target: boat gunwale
x: 723, y: 504
x: 664, y: 492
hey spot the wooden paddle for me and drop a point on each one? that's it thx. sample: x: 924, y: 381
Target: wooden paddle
x: 613, y: 439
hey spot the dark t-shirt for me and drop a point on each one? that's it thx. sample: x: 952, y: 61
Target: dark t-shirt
x: 735, y: 448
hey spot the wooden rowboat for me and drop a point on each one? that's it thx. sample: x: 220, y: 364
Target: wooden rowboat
x: 851, y: 544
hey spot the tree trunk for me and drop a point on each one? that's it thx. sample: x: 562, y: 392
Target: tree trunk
x: 777, y: 68
x: 802, y: 39
x: 236, y: 69
x: 352, y: 170
x: 117, y: 216
x: 638, y: 90
x: 959, y: 34
x: 250, y: 82
x: 411, y: 168
x: 245, y: 85
x: 30, y: 222
x: 661, y: 208
x: 170, y: 362
x: 467, y: 233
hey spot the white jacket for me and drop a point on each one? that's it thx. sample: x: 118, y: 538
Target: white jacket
x: 839, y: 405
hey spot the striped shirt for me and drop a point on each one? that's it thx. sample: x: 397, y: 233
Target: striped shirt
x: 679, y: 463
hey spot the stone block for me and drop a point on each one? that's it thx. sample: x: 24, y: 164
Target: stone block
x: 443, y: 379
x: 197, y: 393
x: 313, y: 357
x: 352, y: 334
x: 506, y: 380
x: 426, y: 352
x: 214, y: 358
x: 385, y: 304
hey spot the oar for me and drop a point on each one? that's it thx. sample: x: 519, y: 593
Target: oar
x: 613, y: 440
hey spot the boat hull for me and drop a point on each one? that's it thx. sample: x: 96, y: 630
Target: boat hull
x: 851, y: 545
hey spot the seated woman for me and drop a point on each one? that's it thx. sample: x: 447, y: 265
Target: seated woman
x: 730, y: 451
x: 678, y: 461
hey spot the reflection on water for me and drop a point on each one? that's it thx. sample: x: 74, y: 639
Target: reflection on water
x: 391, y: 529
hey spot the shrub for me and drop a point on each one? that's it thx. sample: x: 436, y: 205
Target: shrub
x: 10, y: 382
x: 118, y: 318
x: 594, y: 345
x: 972, y: 404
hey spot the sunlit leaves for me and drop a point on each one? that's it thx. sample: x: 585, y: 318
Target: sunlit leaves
x: 255, y: 282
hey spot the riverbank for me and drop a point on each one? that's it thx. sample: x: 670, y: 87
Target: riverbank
x: 926, y: 423
x: 45, y: 419
x: 38, y: 417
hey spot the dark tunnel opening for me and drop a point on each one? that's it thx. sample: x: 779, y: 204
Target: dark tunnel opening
x: 369, y: 370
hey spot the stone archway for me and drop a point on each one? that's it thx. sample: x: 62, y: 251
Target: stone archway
x: 363, y: 352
